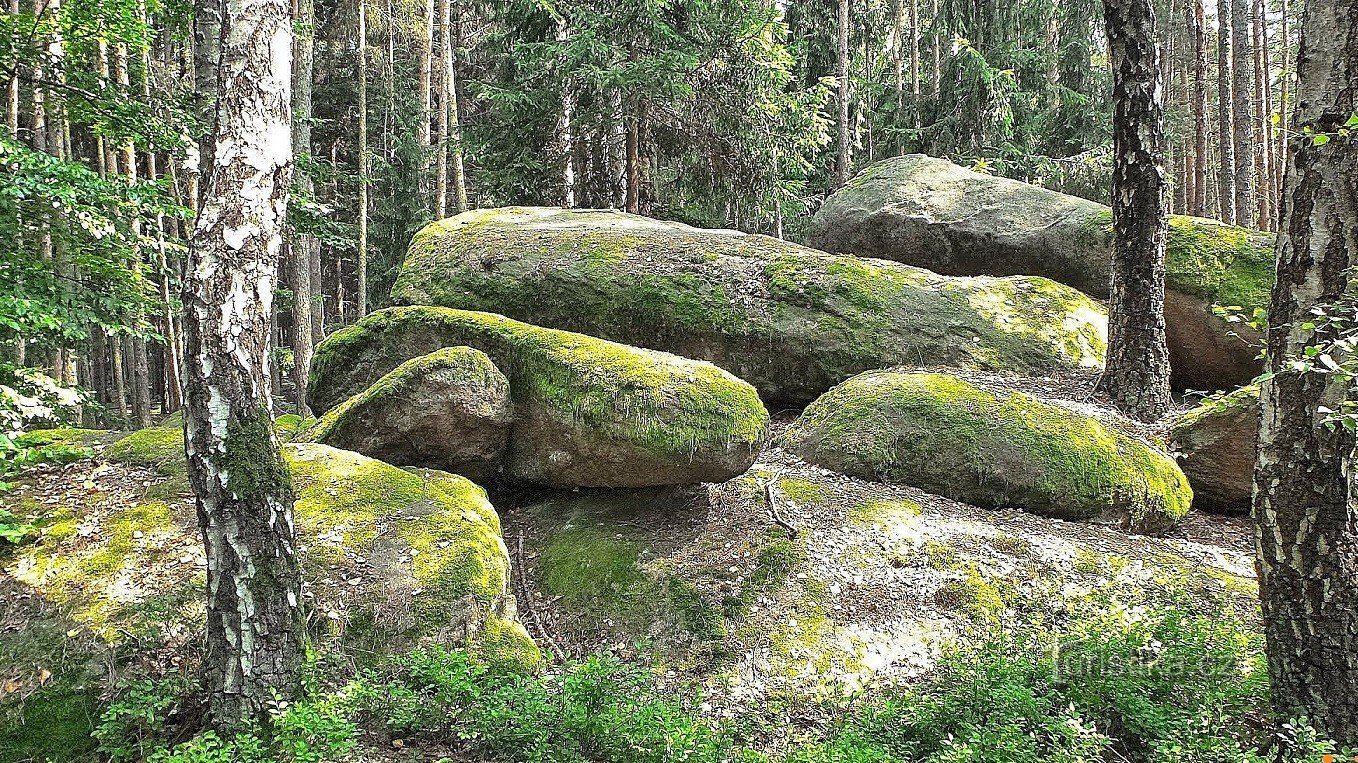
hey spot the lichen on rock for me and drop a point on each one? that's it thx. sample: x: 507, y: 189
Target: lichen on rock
x: 790, y: 320
x: 940, y: 433
x: 588, y: 412
x: 389, y: 556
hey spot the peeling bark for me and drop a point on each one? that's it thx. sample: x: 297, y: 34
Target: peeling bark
x: 254, y: 636
x: 1137, y: 372
x: 1305, y: 491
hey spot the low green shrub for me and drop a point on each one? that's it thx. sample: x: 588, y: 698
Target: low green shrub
x: 1139, y: 684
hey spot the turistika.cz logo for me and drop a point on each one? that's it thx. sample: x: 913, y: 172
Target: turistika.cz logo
x: 1331, y: 758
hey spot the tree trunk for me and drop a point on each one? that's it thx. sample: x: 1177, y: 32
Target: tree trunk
x: 1284, y: 100
x: 917, y: 108
x: 634, y: 162
x: 425, y: 60
x: 12, y: 107
x: 1306, y: 493
x: 937, y: 44
x: 457, y: 174
x: 361, y: 298
x: 564, y: 133
x: 254, y: 633
x: 1242, y: 85
x: 300, y: 257
x: 1137, y: 372
x: 845, y: 160
x: 1198, y: 23
x: 1259, y: 39
x: 1225, y: 128
x: 441, y: 118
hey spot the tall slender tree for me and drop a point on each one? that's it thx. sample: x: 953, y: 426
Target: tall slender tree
x: 1242, y: 87
x: 1137, y: 371
x: 1198, y: 24
x: 1306, y: 479
x: 844, y: 162
x: 1225, y: 123
x: 364, y: 161
x: 244, y: 494
x: 300, y: 245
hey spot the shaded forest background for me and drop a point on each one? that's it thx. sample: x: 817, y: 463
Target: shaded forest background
x: 719, y: 113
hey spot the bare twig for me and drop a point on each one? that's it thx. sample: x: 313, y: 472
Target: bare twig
x: 771, y: 498
x: 526, y: 603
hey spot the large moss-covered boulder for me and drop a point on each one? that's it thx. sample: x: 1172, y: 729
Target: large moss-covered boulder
x: 1216, y: 445
x: 389, y: 557
x: 944, y: 435
x: 934, y: 214
x: 588, y: 412
x: 790, y: 320
x: 446, y: 410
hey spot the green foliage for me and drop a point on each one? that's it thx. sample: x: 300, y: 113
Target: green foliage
x: 598, y: 710
x: 1143, y: 685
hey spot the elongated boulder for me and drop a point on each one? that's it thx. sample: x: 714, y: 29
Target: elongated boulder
x: 1216, y: 445
x: 446, y: 410
x: 942, y: 434
x: 790, y: 320
x: 588, y: 412
x: 390, y: 557
x: 934, y: 214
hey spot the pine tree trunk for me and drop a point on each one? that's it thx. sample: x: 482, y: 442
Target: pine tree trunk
x: 119, y: 375
x: 898, y: 59
x: 917, y: 108
x: 1284, y: 101
x: 12, y: 107
x: 441, y: 118
x: 361, y: 62
x: 1225, y: 127
x: 1198, y: 23
x: 936, y: 38
x: 1260, y: 110
x: 299, y: 249
x: 845, y: 161
x: 1306, y: 491
x: 457, y: 173
x: 1137, y: 372
x: 425, y: 61
x: 1242, y: 85
x: 254, y: 636
x: 634, y: 163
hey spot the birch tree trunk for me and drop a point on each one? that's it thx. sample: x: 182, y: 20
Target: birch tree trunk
x: 1225, y: 126
x: 845, y: 160
x: 254, y: 636
x: 1137, y: 372
x: 1242, y: 85
x: 1306, y: 493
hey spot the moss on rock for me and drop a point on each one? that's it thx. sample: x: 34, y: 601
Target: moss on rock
x: 588, y: 412
x: 932, y: 213
x: 449, y: 409
x: 403, y: 555
x: 790, y: 320
x: 1215, y: 443
x: 944, y: 435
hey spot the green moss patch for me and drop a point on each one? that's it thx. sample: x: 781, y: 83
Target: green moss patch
x: 648, y: 411
x: 790, y: 320
x: 941, y: 434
